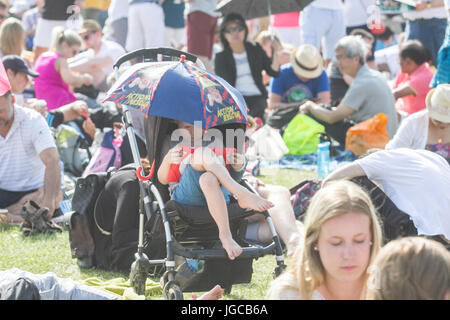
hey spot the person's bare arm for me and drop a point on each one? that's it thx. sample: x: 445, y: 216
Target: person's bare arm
x: 422, y: 5
x: 88, y: 64
x: 323, y: 97
x: 347, y: 171
x: 71, y: 79
x: 329, y: 116
x: 404, y: 91
x: 52, y: 178
x: 174, y: 155
x: 275, y: 102
x: 73, y: 110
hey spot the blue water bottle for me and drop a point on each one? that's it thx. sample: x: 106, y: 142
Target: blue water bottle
x: 323, y: 159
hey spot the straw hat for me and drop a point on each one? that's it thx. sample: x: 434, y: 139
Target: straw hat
x: 438, y: 103
x: 307, y: 61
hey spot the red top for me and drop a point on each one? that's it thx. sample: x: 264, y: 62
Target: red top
x: 174, y: 171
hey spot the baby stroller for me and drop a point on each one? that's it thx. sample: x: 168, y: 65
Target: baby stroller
x: 190, y: 232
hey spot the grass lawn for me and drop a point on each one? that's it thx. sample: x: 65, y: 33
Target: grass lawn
x: 51, y: 253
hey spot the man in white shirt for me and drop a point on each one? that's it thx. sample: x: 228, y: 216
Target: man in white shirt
x: 427, y: 24
x: 29, y: 161
x: 99, y: 57
x: 417, y: 182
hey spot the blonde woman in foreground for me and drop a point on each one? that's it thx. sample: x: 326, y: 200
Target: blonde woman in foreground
x: 342, y: 238
x: 412, y: 268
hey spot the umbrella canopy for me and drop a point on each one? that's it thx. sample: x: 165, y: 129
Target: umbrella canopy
x: 251, y: 9
x: 179, y: 91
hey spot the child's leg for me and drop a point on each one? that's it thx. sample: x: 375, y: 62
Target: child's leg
x: 218, y: 209
x: 204, y: 159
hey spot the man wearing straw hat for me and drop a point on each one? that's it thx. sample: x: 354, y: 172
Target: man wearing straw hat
x: 368, y: 95
x: 302, y: 79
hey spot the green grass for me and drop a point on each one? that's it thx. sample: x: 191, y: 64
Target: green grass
x: 51, y: 253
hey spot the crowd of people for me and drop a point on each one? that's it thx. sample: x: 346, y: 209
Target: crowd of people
x: 326, y: 61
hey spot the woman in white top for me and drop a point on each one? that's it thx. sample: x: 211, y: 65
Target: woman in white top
x: 428, y: 129
x: 342, y: 237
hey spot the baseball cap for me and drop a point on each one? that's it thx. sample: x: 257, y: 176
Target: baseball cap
x: 17, y: 64
x: 4, y: 82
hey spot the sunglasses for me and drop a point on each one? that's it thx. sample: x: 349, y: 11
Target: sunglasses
x: 235, y: 29
x: 87, y: 36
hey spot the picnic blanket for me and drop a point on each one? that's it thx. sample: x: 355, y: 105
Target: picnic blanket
x: 306, y: 162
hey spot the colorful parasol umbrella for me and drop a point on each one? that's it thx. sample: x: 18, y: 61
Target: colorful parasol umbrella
x: 179, y: 91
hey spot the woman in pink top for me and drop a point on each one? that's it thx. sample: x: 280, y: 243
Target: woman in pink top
x: 55, y: 77
x: 412, y: 84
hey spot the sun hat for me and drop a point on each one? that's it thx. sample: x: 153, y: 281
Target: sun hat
x: 4, y: 82
x: 307, y: 61
x: 362, y: 33
x: 438, y: 103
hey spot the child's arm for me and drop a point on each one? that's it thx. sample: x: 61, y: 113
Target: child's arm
x: 175, y: 155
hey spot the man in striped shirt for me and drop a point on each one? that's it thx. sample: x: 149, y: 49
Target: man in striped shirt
x: 29, y: 161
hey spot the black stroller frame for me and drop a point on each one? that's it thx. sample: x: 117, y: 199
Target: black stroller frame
x: 153, y: 207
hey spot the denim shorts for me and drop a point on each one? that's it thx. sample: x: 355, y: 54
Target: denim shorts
x: 188, y: 190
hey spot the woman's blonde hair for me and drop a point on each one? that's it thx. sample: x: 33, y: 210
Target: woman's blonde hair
x: 61, y: 35
x: 335, y: 199
x: 12, y: 37
x: 412, y: 268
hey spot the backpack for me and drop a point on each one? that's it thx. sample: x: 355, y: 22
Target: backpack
x: 82, y: 223
x: 301, y: 195
x: 69, y: 141
x: 106, y: 156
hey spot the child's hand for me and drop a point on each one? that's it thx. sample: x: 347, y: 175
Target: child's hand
x: 236, y: 160
x: 175, y: 155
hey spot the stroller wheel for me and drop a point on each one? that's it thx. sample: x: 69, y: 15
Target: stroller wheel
x: 172, y: 291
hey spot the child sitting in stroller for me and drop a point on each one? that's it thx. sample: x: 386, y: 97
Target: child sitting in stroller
x: 205, y: 180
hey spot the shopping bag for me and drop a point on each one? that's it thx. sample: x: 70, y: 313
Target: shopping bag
x: 302, y: 135
x: 368, y: 134
x: 267, y: 144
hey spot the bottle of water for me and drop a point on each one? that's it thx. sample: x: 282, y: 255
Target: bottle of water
x: 323, y: 159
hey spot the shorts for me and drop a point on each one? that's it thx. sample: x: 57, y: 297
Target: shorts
x: 200, y: 30
x: 175, y: 37
x: 188, y: 190
x: 8, y: 198
x: 44, y: 32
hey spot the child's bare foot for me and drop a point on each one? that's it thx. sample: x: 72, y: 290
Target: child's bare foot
x: 250, y: 200
x: 213, y: 294
x: 230, y: 246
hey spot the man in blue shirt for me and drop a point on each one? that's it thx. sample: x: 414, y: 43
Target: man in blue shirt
x: 302, y: 79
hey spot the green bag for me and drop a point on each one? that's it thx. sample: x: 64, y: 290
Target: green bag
x: 302, y: 135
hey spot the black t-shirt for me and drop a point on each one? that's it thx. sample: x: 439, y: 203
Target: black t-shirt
x: 57, y: 9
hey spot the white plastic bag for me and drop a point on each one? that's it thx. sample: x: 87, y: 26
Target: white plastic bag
x: 266, y: 144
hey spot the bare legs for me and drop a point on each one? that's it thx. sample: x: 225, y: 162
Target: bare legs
x: 203, y: 159
x: 283, y: 217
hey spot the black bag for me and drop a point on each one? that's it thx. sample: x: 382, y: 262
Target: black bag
x: 281, y: 117
x: 87, y: 190
x: 81, y: 241
x: 20, y: 289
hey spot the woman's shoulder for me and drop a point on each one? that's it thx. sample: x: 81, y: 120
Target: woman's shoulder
x: 283, y: 288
